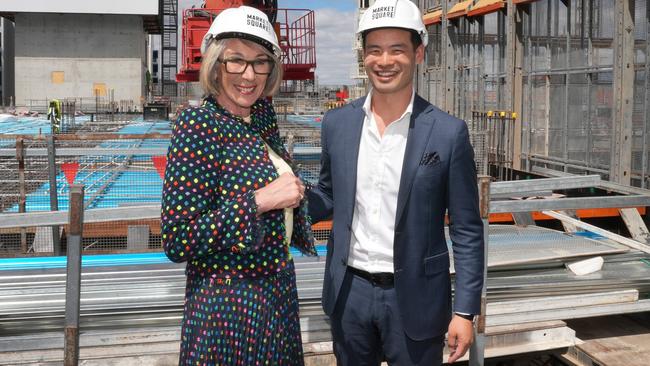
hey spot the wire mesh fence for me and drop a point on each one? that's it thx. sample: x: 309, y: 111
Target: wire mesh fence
x: 111, y: 237
x: 301, y: 135
x: 117, y: 170
x: 121, y: 169
x: 492, y: 135
x: 88, y: 105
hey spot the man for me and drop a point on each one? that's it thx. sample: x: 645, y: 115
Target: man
x: 392, y: 166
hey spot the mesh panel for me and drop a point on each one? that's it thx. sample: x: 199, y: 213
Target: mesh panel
x: 120, y: 169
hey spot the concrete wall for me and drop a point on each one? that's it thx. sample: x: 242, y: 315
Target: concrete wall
x: 86, y: 49
x: 140, y: 7
x: 80, y: 76
x: 6, y: 62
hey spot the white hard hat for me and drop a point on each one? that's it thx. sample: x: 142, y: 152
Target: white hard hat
x: 393, y: 14
x: 243, y: 22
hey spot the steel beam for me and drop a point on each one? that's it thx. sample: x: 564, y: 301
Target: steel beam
x: 544, y: 184
x: 49, y: 218
x: 594, y: 229
x: 562, y: 302
x: 603, y: 184
x: 569, y: 203
x: 570, y: 313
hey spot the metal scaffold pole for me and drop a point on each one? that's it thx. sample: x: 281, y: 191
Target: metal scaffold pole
x: 477, y: 349
x: 22, y: 204
x: 54, y: 202
x: 73, y: 276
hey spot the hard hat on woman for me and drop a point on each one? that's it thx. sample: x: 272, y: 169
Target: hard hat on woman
x: 243, y: 22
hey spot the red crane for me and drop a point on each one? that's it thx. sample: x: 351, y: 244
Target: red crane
x: 295, y: 29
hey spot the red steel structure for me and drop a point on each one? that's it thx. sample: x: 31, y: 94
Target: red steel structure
x: 295, y: 29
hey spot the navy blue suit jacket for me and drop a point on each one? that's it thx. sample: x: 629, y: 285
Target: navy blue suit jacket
x: 438, y: 176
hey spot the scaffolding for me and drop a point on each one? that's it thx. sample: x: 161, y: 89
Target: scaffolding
x: 169, y: 47
x: 575, y: 72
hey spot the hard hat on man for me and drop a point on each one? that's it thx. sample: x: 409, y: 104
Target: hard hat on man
x: 393, y: 14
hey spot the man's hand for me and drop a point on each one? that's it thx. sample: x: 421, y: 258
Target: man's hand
x: 460, y: 337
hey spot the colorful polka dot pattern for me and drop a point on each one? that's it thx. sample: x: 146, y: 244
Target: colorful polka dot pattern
x: 242, y: 322
x: 237, y: 264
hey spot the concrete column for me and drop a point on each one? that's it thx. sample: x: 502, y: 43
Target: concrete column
x: 7, y: 62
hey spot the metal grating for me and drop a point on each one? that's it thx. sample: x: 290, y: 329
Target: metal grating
x: 513, y: 245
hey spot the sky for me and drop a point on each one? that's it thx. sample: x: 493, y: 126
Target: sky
x: 335, y: 27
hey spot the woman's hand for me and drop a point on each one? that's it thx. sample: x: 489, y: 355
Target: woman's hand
x: 285, y: 192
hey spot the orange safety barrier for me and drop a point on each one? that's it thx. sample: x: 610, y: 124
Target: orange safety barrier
x: 432, y: 17
x: 502, y: 218
x: 483, y: 7
x: 459, y: 9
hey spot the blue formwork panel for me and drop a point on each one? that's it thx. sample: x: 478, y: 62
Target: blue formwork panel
x: 122, y: 187
x: 15, y: 125
x: 102, y: 260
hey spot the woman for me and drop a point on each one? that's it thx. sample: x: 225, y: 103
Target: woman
x: 231, y: 205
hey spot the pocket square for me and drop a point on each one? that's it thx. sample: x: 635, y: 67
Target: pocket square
x: 430, y: 158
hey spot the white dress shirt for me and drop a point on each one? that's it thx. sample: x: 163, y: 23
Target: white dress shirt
x: 379, y: 170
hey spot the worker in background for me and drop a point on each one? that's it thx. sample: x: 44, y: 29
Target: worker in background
x: 232, y: 205
x: 54, y: 115
x: 392, y: 166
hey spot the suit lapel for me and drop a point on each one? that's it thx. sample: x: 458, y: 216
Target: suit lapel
x: 419, y: 130
x: 353, y: 139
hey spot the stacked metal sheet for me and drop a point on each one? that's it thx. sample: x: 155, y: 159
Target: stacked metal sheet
x: 524, y: 263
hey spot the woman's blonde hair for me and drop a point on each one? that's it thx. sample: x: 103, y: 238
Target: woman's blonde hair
x: 211, y: 72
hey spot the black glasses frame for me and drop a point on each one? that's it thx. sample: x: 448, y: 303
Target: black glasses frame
x: 250, y: 63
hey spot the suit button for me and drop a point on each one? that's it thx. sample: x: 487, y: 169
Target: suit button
x: 343, y: 262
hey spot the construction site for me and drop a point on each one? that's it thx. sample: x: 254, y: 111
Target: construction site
x: 555, y: 94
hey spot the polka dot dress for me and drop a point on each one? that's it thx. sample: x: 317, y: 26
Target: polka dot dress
x: 241, y: 303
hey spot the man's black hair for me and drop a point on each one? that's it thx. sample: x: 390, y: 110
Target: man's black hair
x: 416, y: 40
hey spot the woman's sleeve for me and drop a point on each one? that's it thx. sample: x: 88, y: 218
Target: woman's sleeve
x: 193, y: 224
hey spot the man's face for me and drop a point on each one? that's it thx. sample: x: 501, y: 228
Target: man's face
x: 390, y: 59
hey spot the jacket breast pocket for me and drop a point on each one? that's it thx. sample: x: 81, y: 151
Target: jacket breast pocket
x: 427, y: 170
x: 436, y: 263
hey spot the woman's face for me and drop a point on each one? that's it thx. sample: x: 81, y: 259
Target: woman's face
x: 239, y: 90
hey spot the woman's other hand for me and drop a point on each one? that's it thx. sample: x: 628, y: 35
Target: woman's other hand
x: 285, y: 192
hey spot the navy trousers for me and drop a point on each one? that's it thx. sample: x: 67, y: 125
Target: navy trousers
x: 367, y: 329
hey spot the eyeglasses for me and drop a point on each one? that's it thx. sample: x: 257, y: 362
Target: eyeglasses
x: 238, y: 65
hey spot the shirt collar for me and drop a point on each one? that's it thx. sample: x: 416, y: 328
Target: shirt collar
x: 367, y: 109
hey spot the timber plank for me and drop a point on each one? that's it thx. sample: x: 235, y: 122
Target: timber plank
x: 615, y: 340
